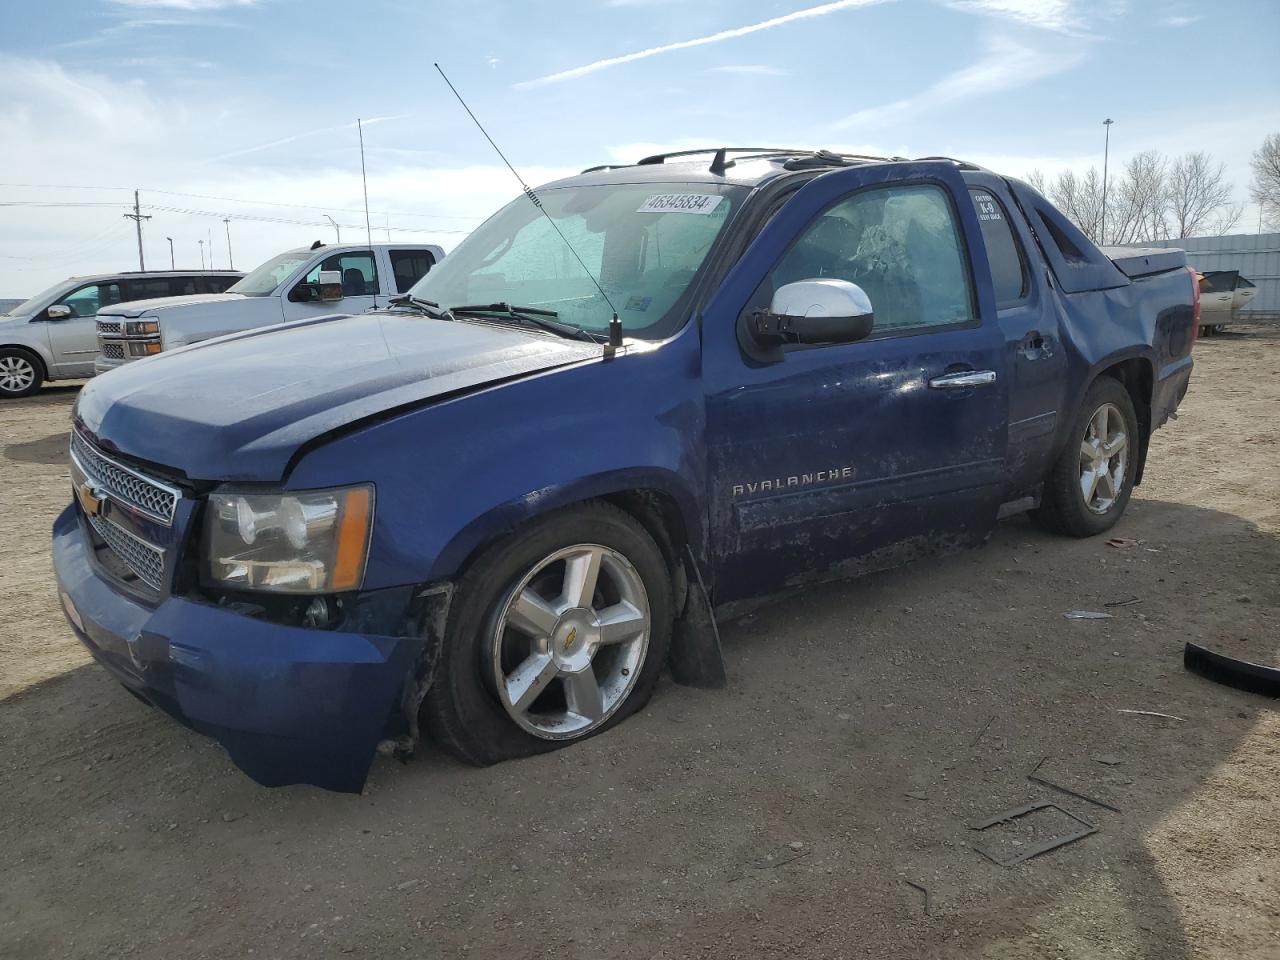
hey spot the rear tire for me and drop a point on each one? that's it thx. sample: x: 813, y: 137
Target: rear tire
x: 21, y: 373
x: 1088, y: 488
x: 532, y: 660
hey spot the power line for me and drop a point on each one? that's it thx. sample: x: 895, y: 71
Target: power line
x: 219, y: 215
x: 259, y: 203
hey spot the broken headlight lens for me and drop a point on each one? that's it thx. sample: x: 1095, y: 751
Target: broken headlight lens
x: 313, y: 541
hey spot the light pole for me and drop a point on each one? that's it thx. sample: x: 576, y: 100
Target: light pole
x: 171, y: 266
x: 201, y: 242
x: 335, y: 226
x: 1106, y: 153
x: 231, y: 263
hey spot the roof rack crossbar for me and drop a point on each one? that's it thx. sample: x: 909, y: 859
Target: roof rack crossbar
x: 962, y: 164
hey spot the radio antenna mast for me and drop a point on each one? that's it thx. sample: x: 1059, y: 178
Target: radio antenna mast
x: 615, y: 325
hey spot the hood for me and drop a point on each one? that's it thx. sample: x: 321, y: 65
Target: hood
x: 136, y: 308
x: 238, y: 408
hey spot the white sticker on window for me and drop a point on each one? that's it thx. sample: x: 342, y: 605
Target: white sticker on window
x: 987, y: 208
x: 681, y: 203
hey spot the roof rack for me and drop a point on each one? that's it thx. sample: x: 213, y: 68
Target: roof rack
x: 797, y: 158
x: 720, y: 161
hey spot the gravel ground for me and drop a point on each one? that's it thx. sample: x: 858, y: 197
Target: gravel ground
x: 866, y: 725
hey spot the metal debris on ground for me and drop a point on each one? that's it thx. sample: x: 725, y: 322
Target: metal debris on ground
x: 1152, y: 713
x: 923, y: 889
x: 1036, y: 849
x: 1122, y: 542
x: 1086, y: 615
x: 1123, y: 603
x: 1034, y: 777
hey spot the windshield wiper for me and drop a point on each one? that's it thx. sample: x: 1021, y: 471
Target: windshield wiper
x: 527, y: 316
x: 429, y: 307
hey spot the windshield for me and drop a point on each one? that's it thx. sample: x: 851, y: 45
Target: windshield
x: 263, y: 281
x: 643, y: 242
x: 38, y: 301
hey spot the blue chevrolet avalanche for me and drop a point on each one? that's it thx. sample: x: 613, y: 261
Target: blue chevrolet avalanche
x: 483, y: 515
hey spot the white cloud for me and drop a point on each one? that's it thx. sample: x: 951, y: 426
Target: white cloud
x: 1002, y: 64
x: 1047, y: 14
x: 107, y: 136
x: 807, y: 13
x: 1181, y: 21
x: 751, y: 69
x: 193, y: 6
x: 291, y: 138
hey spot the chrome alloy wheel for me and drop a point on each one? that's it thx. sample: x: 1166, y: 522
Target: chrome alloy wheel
x: 17, y: 373
x: 570, y: 641
x: 1104, y: 458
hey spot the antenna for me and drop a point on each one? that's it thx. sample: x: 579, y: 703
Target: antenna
x: 368, y: 230
x: 615, y: 325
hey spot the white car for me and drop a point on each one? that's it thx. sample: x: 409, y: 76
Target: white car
x: 306, y: 282
x: 1223, y: 294
x: 52, y: 336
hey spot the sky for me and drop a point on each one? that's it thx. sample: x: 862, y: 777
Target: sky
x: 246, y: 109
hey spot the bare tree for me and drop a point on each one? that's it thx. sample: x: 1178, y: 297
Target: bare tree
x: 1151, y: 198
x: 1198, y: 195
x: 1037, y: 180
x: 1136, y: 211
x: 1080, y: 198
x: 1265, y: 188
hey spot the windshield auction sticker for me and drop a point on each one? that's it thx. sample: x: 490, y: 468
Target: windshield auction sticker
x: 680, y: 203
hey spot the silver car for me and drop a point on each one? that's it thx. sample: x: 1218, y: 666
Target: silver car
x: 53, y: 335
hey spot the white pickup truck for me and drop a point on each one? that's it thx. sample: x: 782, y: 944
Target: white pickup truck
x: 306, y: 282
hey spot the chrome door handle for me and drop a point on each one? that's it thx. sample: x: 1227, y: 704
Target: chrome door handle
x: 963, y: 380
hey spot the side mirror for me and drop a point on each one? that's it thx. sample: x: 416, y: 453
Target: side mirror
x: 59, y: 311
x: 329, y: 287
x: 815, y: 311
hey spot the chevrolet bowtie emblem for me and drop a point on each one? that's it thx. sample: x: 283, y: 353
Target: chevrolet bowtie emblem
x: 571, y: 636
x: 90, y: 500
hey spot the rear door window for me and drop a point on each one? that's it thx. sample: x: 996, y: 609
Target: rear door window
x: 1004, y: 252
x: 148, y: 289
x: 409, y: 266
x: 217, y: 284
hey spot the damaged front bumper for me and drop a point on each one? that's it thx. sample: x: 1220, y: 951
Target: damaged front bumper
x: 290, y: 704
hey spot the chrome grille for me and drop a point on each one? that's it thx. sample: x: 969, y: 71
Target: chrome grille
x: 108, y: 326
x: 146, y: 561
x: 113, y: 351
x: 155, y: 499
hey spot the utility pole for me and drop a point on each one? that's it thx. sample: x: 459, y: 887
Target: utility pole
x: 1106, y: 153
x: 137, y: 217
x: 171, y: 266
x: 336, y: 228
x: 201, y: 242
x: 231, y: 263
x: 208, y: 232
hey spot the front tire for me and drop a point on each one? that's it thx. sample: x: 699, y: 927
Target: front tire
x: 1089, y: 486
x: 20, y: 373
x: 557, y: 634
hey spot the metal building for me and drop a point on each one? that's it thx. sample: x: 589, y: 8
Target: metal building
x: 1255, y: 255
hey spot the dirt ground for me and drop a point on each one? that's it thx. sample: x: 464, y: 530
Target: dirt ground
x: 865, y: 727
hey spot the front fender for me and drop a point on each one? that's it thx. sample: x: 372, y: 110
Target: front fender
x: 454, y: 475
x: 508, y: 516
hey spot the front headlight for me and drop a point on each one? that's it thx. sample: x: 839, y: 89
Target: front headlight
x: 141, y: 328
x: 313, y: 541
